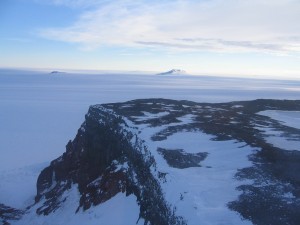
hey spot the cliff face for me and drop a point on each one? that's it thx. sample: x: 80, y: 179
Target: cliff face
x: 105, y: 158
x: 173, y: 154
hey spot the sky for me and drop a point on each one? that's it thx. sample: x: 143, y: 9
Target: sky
x: 218, y: 37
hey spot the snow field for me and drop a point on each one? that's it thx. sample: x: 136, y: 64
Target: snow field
x: 201, y: 194
x: 120, y: 210
x: 277, y: 137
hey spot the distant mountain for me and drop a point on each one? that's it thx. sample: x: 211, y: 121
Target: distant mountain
x: 56, y: 72
x: 173, y: 71
x: 168, y: 162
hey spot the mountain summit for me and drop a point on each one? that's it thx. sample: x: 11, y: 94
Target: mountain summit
x: 173, y: 71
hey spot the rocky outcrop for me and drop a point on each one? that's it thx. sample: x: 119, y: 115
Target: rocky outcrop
x: 8, y: 213
x: 178, y: 158
x: 105, y: 158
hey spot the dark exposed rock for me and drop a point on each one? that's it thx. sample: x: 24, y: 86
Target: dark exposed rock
x: 8, y: 213
x: 180, y: 159
x: 56, y: 72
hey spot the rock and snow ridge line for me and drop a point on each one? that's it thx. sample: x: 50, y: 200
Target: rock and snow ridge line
x: 118, y: 150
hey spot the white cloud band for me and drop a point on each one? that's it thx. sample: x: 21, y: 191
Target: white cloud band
x: 213, y: 25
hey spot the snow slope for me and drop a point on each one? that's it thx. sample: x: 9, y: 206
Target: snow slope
x: 124, y: 209
x: 17, y: 186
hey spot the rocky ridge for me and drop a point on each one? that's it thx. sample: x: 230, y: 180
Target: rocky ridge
x: 105, y: 158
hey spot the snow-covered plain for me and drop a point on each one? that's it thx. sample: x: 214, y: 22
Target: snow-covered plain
x: 40, y: 112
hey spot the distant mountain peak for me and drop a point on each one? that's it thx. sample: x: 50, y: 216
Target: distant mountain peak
x: 173, y: 71
x: 56, y: 72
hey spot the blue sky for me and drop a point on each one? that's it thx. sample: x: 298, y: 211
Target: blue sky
x: 231, y: 37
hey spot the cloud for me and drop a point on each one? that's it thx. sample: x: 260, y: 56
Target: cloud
x: 210, y: 25
x: 215, y: 45
x: 184, y: 46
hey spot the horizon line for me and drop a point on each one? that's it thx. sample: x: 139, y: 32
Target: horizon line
x: 153, y: 72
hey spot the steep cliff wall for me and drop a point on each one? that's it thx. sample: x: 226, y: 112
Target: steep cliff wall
x: 105, y: 158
